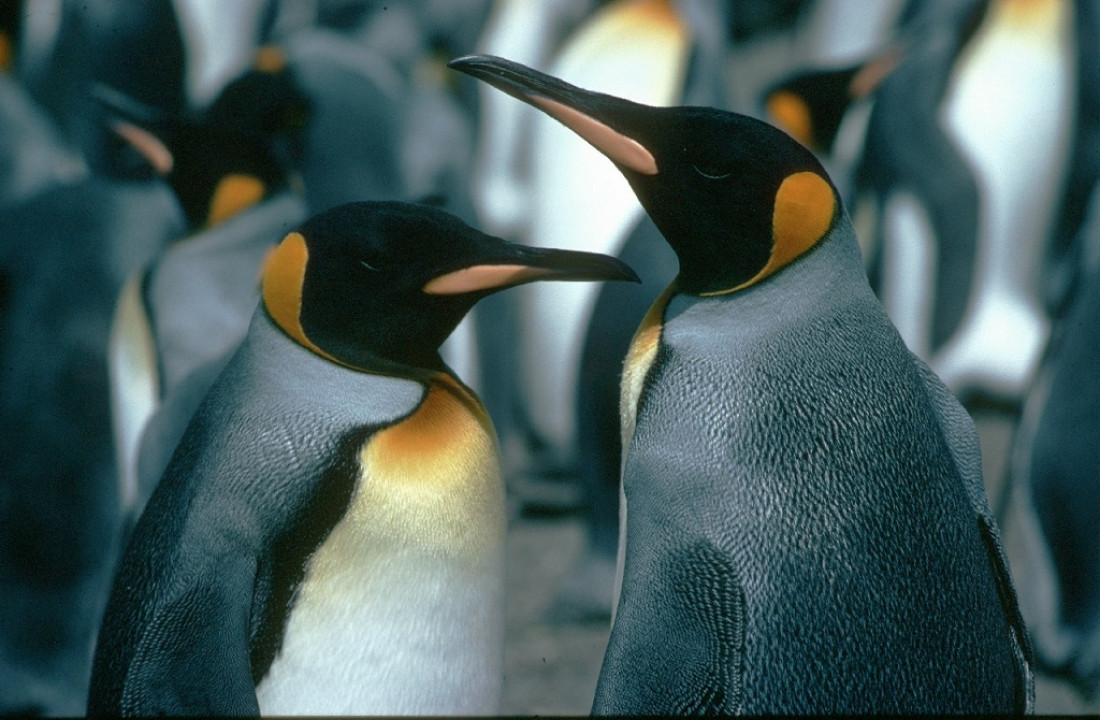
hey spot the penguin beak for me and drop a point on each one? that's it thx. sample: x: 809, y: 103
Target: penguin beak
x: 584, y: 112
x: 518, y: 264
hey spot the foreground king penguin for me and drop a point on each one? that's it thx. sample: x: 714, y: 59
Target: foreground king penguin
x: 328, y: 537
x: 805, y: 528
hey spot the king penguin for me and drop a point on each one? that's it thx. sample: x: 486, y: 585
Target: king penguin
x: 328, y: 537
x: 805, y: 528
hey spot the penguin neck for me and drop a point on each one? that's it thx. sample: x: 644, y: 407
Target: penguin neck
x: 822, y: 277
x: 429, y: 367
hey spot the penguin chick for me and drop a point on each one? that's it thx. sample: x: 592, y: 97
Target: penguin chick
x: 328, y: 537
x: 805, y: 528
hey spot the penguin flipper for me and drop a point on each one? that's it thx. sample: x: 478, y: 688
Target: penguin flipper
x: 193, y: 657
x: 696, y: 667
x: 961, y: 436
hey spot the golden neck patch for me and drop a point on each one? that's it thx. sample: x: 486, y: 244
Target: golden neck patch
x: 284, y: 275
x: 234, y: 192
x: 804, y: 209
x: 435, y: 476
x: 639, y: 358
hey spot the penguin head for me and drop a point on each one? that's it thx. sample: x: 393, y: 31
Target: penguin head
x: 736, y: 198
x: 228, y: 158
x: 373, y: 285
x: 810, y: 104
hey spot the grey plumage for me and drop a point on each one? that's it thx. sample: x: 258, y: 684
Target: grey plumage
x: 259, y: 477
x: 806, y: 530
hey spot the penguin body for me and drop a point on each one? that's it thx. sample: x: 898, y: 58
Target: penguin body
x: 1053, y: 479
x: 67, y: 252
x: 328, y: 536
x: 188, y: 310
x: 192, y: 305
x: 805, y: 528
x: 803, y: 505
x: 330, y: 650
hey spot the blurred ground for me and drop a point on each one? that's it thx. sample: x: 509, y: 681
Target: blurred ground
x: 551, y: 667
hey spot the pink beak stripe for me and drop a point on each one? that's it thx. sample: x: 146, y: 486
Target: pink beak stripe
x: 158, y: 155
x: 482, y: 277
x: 618, y: 147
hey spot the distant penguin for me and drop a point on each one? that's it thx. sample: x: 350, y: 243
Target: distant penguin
x: 958, y: 203
x: 192, y: 305
x: 328, y: 537
x: 827, y: 109
x: 1006, y: 106
x: 67, y: 251
x: 1055, y: 485
x: 805, y: 524
x: 228, y: 157
x: 190, y: 308
x: 69, y: 46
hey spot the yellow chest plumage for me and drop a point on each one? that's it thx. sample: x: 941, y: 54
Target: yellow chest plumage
x: 401, y: 609
x: 640, y: 357
x: 433, y: 480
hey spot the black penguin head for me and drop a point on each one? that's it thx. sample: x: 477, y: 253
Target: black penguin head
x: 811, y: 104
x: 226, y: 159
x: 736, y: 198
x: 372, y: 284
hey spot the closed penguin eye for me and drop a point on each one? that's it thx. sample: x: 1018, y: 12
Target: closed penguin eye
x: 368, y: 266
x: 711, y: 172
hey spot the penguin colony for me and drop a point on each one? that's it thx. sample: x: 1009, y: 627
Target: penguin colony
x: 304, y: 510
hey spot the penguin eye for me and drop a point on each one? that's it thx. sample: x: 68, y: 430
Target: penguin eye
x: 370, y: 267
x: 711, y: 172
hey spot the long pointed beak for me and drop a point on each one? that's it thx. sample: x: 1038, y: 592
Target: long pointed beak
x: 518, y: 264
x: 582, y: 111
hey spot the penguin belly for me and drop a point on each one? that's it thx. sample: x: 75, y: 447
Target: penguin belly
x: 401, y: 608
x: 1021, y: 60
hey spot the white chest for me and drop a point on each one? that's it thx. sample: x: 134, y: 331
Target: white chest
x: 402, y: 607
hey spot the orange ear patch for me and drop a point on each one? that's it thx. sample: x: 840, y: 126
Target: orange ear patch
x: 270, y: 59
x: 804, y: 210
x: 235, y: 192
x: 792, y: 114
x: 284, y: 275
